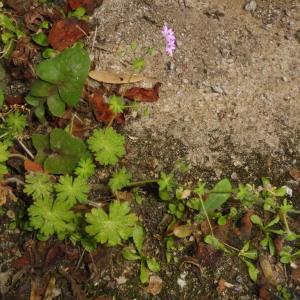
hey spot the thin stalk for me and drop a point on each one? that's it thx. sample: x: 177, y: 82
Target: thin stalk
x: 14, y: 180
x: 111, y: 121
x: 141, y: 183
x: 17, y: 155
x: 207, y: 217
x: 80, y: 260
x: 3, y: 135
x: 25, y: 149
x: 286, y: 224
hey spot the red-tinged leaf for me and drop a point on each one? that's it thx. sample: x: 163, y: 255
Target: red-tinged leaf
x: 246, y: 226
x: 221, y: 286
x: 32, y: 166
x: 264, y: 293
x: 53, y: 255
x: 89, y: 5
x: 64, y: 33
x: 207, y: 255
x: 143, y: 94
x: 14, y: 100
x: 101, y: 109
x: 279, y: 242
x: 22, y: 261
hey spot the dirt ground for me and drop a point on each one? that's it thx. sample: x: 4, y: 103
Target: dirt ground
x: 229, y: 99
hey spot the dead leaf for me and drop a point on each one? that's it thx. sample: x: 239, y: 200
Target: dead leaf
x: 271, y: 276
x: 6, y: 194
x: 32, y: 166
x: 101, y: 109
x: 20, y: 6
x: 155, y: 285
x: 24, y: 53
x: 246, y: 226
x: 64, y: 33
x: 278, y: 242
x: 52, y: 291
x: 207, y: 255
x: 264, y: 292
x: 221, y: 286
x: 143, y: 94
x: 295, y: 275
x: 14, y: 100
x: 89, y: 5
x: 183, y: 231
x: 114, y: 78
x: 21, y: 262
x: 295, y: 174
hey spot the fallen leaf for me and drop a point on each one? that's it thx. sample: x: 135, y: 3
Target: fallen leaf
x: 89, y: 5
x: 246, y: 226
x: 207, y: 255
x: 32, y: 166
x: 264, y: 292
x: 295, y: 174
x: 183, y: 231
x: 143, y: 94
x: 24, y: 53
x: 14, y: 100
x: 278, y: 242
x: 6, y: 194
x: 271, y: 276
x: 20, y: 6
x: 21, y: 262
x: 295, y: 275
x: 155, y: 285
x: 114, y: 78
x: 52, y: 291
x: 101, y: 109
x: 221, y: 286
x: 64, y: 33
x: 54, y: 254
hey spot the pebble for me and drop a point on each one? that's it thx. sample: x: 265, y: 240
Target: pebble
x: 251, y: 6
x: 239, y: 279
x: 234, y: 176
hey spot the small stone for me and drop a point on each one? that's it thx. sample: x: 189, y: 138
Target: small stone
x: 234, y: 176
x: 251, y: 6
x: 216, y: 89
x: 239, y: 279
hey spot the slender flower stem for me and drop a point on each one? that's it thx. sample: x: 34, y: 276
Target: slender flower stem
x: 25, y: 149
x: 141, y: 183
x: 17, y: 155
x: 207, y: 217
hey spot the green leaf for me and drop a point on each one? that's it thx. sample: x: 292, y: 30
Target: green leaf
x: 130, y: 254
x: 114, y: 227
x: 252, y: 270
x: 3, y: 152
x: 39, y: 186
x: 153, y: 264
x: 49, y: 53
x: 68, y: 71
x: 116, y: 104
x: 166, y: 185
x: 183, y: 231
x: 213, y: 241
x: 119, y: 180
x: 42, y: 89
x: 42, y: 144
x: 218, y: 196
x: 15, y: 123
x: 255, y: 219
x: 138, y: 236
x: 34, y: 101
x: 107, y: 145
x: 56, y: 105
x: 51, y: 217
x: 222, y: 220
x: 2, y: 98
x: 144, y: 273
x: 86, y: 168
x: 6, y: 23
x: 273, y: 222
x: 72, y: 190
x: 138, y: 64
x: 40, y: 112
x: 40, y: 39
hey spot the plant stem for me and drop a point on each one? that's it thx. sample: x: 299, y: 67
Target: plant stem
x: 207, y: 217
x: 17, y: 155
x: 25, y: 149
x: 231, y: 247
x: 286, y: 224
x: 3, y: 135
x: 111, y: 121
x: 14, y: 180
x: 141, y: 183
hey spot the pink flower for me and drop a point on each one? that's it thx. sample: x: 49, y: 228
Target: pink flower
x: 169, y: 36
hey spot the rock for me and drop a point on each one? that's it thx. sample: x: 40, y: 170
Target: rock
x: 250, y: 6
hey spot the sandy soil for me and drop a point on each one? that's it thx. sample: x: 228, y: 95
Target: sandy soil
x: 229, y: 100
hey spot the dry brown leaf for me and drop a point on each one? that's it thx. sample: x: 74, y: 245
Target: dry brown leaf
x: 295, y: 174
x: 271, y: 276
x: 142, y: 94
x: 246, y: 226
x: 64, y: 33
x: 6, y: 194
x: 183, y: 231
x: 296, y: 275
x: 52, y: 291
x: 89, y: 5
x: 32, y: 166
x: 221, y: 286
x: 115, y: 78
x: 155, y: 285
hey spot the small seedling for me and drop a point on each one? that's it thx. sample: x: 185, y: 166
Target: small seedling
x: 111, y: 228
x: 267, y: 230
x: 248, y: 195
x: 86, y: 168
x: 119, y: 180
x: 166, y: 185
x: 148, y: 264
x: 107, y: 145
x: 287, y: 255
